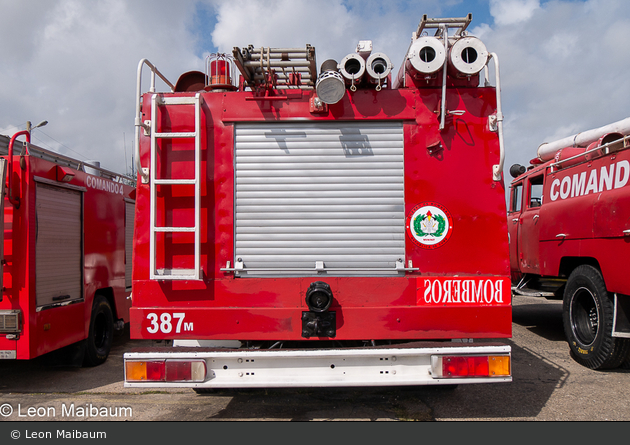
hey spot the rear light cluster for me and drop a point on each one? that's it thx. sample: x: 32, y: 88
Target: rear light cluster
x: 10, y: 321
x: 463, y: 366
x: 165, y: 371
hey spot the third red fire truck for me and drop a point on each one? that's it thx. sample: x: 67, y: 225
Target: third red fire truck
x: 336, y: 228
x: 66, y: 253
x: 569, y: 223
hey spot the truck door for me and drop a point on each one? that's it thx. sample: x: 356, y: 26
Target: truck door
x: 529, y: 225
x: 514, y: 215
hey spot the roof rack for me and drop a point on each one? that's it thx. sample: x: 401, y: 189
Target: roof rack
x: 277, y: 68
x: 39, y: 152
x: 461, y: 23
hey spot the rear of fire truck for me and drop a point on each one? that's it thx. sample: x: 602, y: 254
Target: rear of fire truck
x: 340, y: 228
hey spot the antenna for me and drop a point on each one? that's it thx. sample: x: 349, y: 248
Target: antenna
x: 133, y: 170
x: 125, y: 147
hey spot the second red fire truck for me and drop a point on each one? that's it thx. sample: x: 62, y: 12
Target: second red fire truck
x: 569, y: 223
x: 336, y: 228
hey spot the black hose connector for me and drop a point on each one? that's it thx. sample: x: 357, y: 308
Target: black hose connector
x: 319, y: 297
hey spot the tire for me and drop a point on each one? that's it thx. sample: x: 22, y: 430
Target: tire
x: 100, y: 336
x: 588, y: 321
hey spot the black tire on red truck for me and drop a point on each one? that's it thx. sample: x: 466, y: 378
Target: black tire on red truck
x: 101, y: 334
x: 588, y: 312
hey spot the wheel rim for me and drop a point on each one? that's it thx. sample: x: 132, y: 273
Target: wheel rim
x: 584, y: 316
x: 100, y: 331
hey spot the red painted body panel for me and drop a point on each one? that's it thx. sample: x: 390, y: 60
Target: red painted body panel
x: 54, y: 326
x: 584, y: 213
x: 458, y: 176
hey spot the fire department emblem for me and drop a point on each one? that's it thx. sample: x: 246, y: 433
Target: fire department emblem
x: 429, y: 225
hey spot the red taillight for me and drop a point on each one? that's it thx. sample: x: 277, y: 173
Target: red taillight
x: 178, y: 371
x: 462, y: 366
x: 155, y: 371
x: 465, y: 366
x: 166, y: 371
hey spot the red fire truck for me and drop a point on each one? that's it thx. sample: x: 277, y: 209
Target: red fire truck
x: 569, y: 224
x: 66, y: 257
x: 340, y: 228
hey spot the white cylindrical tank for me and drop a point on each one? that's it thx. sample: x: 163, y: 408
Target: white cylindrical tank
x: 468, y: 56
x: 378, y: 67
x: 352, y: 68
x: 547, y: 150
x: 426, y: 54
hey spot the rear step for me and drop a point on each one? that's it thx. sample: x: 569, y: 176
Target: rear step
x: 532, y: 292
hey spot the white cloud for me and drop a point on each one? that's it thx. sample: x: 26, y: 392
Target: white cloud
x: 333, y: 27
x: 74, y: 64
x: 564, y: 63
x: 562, y: 71
x: 509, y: 12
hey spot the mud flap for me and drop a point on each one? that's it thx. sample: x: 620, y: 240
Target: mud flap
x: 621, y: 322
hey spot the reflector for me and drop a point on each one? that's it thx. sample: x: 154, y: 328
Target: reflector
x: 499, y: 365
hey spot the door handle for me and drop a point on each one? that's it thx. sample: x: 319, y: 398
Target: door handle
x: 561, y: 235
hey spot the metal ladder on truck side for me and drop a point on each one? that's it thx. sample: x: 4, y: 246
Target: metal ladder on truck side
x: 161, y: 101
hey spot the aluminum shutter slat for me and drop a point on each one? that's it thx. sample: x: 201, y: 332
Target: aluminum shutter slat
x: 323, y: 183
x: 328, y: 223
x: 330, y: 192
x: 314, y: 195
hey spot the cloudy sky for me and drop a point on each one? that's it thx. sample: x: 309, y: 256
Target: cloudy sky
x: 564, y: 63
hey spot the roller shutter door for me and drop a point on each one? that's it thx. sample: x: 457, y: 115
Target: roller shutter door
x: 59, y: 246
x: 328, y: 193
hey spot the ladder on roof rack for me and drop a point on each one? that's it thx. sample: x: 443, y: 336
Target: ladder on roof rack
x: 461, y: 23
x: 174, y: 273
x: 280, y: 68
